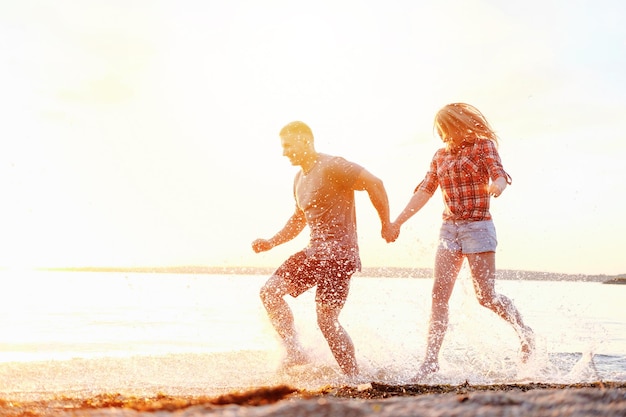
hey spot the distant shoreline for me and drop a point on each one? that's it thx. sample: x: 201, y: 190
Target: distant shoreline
x: 390, y: 272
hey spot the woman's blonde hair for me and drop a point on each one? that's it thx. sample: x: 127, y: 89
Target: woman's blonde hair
x: 463, y: 119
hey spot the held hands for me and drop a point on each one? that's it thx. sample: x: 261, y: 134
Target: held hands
x: 261, y: 245
x: 390, y: 232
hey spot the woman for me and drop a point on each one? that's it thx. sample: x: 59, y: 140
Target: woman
x: 463, y: 169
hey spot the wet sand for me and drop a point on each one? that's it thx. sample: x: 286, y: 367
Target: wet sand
x: 536, y: 399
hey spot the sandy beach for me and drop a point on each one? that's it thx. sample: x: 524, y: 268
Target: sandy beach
x: 372, y: 399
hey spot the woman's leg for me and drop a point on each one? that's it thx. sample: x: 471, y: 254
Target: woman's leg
x: 447, y: 266
x: 483, y: 268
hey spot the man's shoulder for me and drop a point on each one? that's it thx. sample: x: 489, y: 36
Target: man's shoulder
x: 338, y: 168
x: 334, y: 160
x: 327, y: 158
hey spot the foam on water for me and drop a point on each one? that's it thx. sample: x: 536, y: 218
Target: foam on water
x: 217, y: 373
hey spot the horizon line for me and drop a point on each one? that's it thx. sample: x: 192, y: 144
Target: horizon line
x: 385, y: 271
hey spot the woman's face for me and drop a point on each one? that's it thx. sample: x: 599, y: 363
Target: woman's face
x: 451, y: 136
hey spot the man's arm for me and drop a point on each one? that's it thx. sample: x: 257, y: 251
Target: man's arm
x: 292, y: 228
x: 377, y: 193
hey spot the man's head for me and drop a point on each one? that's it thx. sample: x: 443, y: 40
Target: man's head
x: 297, y: 128
x: 296, y: 138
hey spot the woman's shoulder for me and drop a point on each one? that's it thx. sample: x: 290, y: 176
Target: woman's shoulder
x: 485, y: 143
x: 484, y: 147
x: 441, y: 152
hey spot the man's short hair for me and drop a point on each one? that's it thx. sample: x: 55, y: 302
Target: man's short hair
x: 298, y: 128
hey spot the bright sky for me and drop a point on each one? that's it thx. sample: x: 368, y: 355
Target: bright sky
x: 145, y: 132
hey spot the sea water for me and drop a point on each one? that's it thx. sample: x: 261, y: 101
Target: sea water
x: 90, y: 332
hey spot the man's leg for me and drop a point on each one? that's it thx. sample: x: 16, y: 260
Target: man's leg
x: 338, y: 339
x: 281, y: 317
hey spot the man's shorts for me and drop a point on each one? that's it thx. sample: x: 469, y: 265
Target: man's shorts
x: 332, y: 277
x: 468, y: 236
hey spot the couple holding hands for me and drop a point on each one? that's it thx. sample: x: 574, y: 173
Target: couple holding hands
x: 468, y: 170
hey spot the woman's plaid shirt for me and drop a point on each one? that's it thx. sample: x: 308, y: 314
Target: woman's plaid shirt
x: 464, y: 176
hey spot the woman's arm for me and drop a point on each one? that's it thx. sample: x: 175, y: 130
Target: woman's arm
x: 497, y: 187
x: 415, y: 204
x: 417, y: 201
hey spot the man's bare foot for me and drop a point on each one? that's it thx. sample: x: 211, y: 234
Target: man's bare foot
x: 426, y: 369
x: 528, y: 344
x: 350, y: 369
x: 295, y: 357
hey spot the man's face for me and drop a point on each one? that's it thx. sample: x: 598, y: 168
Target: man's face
x: 294, y: 147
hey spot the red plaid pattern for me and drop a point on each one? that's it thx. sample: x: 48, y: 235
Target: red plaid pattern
x: 463, y: 175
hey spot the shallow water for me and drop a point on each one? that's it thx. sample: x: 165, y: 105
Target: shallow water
x: 66, y: 332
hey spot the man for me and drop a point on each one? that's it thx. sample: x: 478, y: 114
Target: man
x: 324, y: 193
